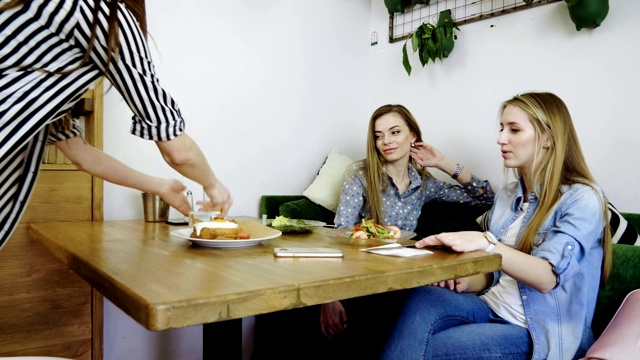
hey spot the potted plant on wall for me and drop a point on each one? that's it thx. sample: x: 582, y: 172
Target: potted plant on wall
x: 431, y: 41
x: 587, y: 13
x: 398, y: 6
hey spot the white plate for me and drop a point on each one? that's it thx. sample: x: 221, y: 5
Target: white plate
x: 185, y: 234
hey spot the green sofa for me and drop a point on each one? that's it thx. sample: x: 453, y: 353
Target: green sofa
x: 439, y: 217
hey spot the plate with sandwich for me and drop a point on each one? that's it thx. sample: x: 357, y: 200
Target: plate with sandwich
x: 226, y: 233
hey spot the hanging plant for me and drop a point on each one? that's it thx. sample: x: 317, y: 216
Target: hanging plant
x: 431, y: 41
x: 587, y: 13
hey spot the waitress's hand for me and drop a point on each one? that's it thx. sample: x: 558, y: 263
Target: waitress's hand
x: 333, y: 318
x: 219, y: 199
x: 426, y: 155
x: 172, y: 192
x: 461, y: 241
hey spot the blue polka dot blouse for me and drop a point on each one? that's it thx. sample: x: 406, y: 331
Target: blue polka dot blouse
x: 403, y: 210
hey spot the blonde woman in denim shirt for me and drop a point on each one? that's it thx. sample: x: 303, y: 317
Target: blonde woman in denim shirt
x: 550, y: 231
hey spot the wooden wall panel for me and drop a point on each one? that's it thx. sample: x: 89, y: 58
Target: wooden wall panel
x: 45, y: 308
x: 61, y: 196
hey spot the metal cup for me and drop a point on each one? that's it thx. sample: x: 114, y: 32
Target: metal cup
x: 155, y: 209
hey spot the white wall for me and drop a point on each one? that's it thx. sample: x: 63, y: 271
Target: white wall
x: 594, y: 71
x: 267, y: 87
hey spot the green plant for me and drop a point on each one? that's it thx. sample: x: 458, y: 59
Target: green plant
x: 431, y: 41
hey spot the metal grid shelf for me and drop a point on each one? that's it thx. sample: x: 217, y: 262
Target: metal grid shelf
x: 462, y: 11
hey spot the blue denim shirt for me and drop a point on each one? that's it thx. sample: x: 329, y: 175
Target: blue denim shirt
x: 403, y: 210
x: 570, y: 240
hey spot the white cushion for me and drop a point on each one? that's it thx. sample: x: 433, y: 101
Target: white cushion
x: 326, y: 187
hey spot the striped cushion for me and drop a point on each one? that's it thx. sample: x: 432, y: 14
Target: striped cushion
x: 621, y: 231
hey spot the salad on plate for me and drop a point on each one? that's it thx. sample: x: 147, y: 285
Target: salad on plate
x: 287, y: 225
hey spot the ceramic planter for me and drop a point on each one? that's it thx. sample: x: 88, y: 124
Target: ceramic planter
x: 587, y: 13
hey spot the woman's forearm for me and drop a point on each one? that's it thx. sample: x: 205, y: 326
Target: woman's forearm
x: 102, y: 165
x: 186, y: 157
x: 533, y: 271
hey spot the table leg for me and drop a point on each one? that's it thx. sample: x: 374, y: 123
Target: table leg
x: 222, y: 340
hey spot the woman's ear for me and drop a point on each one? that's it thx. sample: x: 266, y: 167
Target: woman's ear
x: 546, y: 142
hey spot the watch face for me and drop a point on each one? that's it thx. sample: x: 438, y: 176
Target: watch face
x: 490, y: 238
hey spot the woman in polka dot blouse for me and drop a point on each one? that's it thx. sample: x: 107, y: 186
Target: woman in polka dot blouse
x: 392, y: 184
x: 396, y: 168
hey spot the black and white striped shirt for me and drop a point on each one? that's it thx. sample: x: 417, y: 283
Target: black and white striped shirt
x: 53, y: 35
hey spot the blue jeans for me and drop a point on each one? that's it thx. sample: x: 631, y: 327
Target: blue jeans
x: 438, y: 323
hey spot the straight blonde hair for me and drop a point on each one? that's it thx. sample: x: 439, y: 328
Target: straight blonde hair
x: 562, y: 164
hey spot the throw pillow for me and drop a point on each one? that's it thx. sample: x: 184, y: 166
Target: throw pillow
x: 326, y: 187
x: 621, y: 231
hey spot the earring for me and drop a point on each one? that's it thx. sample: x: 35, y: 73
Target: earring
x: 413, y: 145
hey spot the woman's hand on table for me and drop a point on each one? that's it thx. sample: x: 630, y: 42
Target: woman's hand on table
x: 333, y: 318
x: 461, y: 241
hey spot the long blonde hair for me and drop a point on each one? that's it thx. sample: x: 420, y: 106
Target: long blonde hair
x: 136, y: 7
x: 562, y: 164
x: 373, y: 164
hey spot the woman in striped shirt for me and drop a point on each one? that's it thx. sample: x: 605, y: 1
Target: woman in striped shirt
x: 51, y: 52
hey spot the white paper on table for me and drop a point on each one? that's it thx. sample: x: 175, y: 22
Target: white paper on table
x: 396, y: 250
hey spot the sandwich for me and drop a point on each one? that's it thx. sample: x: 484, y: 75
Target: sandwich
x: 218, y: 229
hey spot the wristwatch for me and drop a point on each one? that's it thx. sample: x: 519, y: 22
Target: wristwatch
x: 491, y: 239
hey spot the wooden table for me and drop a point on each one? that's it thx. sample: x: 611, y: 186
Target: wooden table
x: 164, y: 282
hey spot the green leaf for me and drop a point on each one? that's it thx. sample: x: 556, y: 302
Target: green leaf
x: 440, y: 43
x: 431, y: 50
x: 405, y: 59
x: 415, y: 41
x: 423, y: 59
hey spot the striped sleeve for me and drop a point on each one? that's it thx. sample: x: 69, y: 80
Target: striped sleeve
x: 63, y: 129
x: 156, y: 114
